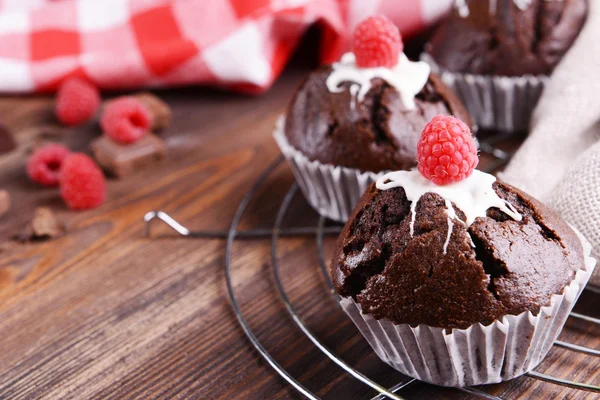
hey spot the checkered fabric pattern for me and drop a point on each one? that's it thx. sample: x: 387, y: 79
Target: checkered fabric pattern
x: 125, y: 44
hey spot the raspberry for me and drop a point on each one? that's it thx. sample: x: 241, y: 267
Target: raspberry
x: 446, y: 151
x: 76, y: 101
x: 126, y: 120
x: 44, y: 165
x: 82, y: 183
x: 377, y: 43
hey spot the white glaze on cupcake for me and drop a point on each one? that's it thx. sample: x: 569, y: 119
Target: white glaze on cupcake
x: 407, y: 77
x: 473, y: 196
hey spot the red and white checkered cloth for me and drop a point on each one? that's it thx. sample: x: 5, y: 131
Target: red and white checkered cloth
x: 120, y: 44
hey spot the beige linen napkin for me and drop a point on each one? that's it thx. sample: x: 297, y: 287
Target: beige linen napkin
x: 559, y: 163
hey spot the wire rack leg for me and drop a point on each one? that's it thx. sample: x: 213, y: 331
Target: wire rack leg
x: 292, y: 311
x: 234, y: 303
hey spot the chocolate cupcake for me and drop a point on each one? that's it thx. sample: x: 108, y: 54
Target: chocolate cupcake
x: 375, y: 134
x: 347, y: 123
x: 464, y: 282
x: 498, y: 54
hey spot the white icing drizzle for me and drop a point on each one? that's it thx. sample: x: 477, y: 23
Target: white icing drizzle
x: 462, y: 7
x: 354, y: 88
x: 474, y: 196
x: 451, y: 216
x: 413, y: 216
x: 407, y: 77
x: 470, y: 240
x: 522, y: 4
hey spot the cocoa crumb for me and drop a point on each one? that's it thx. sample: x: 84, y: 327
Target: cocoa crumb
x: 43, y: 226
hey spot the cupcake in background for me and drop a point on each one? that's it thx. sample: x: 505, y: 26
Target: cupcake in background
x: 498, y: 54
x: 453, y: 277
x: 349, y: 121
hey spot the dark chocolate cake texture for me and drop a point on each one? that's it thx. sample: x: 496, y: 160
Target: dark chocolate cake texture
x: 453, y: 249
x: 507, y: 37
x: 414, y: 256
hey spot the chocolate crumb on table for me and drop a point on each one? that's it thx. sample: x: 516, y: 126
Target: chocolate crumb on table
x: 43, y: 226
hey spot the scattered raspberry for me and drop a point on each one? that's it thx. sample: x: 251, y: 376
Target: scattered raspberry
x: 44, y: 165
x: 377, y: 43
x: 446, y: 151
x: 77, y: 101
x: 125, y: 120
x: 82, y: 183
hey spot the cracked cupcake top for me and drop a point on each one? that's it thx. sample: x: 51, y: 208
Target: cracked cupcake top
x: 375, y: 134
x: 479, y: 272
x: 507, y: 37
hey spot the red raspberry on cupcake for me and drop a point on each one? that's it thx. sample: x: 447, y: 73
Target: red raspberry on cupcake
x: 446, y: 151
x: 377, y: 43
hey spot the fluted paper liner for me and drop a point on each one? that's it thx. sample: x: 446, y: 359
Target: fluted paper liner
x: 477, y: 355
x: 333, y: 191
x: 495, y: 102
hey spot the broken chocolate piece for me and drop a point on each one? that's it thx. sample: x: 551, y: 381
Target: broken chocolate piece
x: 4, y: 202
x: 7, y: 142
x: 44, y: 226
x: 160, y: 111
x: 123, y: 159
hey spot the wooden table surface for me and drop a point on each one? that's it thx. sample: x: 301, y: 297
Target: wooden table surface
x: 105, y: 312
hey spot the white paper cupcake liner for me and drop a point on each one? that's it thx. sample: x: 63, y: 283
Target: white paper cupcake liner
x: 479, y: 354
x: 495, y: 102
x: 333, y: 191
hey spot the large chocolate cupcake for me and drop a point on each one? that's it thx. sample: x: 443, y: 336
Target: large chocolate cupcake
x: 496, y: 266
x: 347, y: 123
x: 459, y: 284
x: 498, y: 54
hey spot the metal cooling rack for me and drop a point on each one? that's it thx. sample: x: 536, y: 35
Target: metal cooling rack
x: 487, y: 146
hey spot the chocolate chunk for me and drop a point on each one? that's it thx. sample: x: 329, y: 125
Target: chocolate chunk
x: 161, y: 112
x: 7, y: 142
x: 43, y: 226
x: 4, y: 202
x: 124, y: 159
